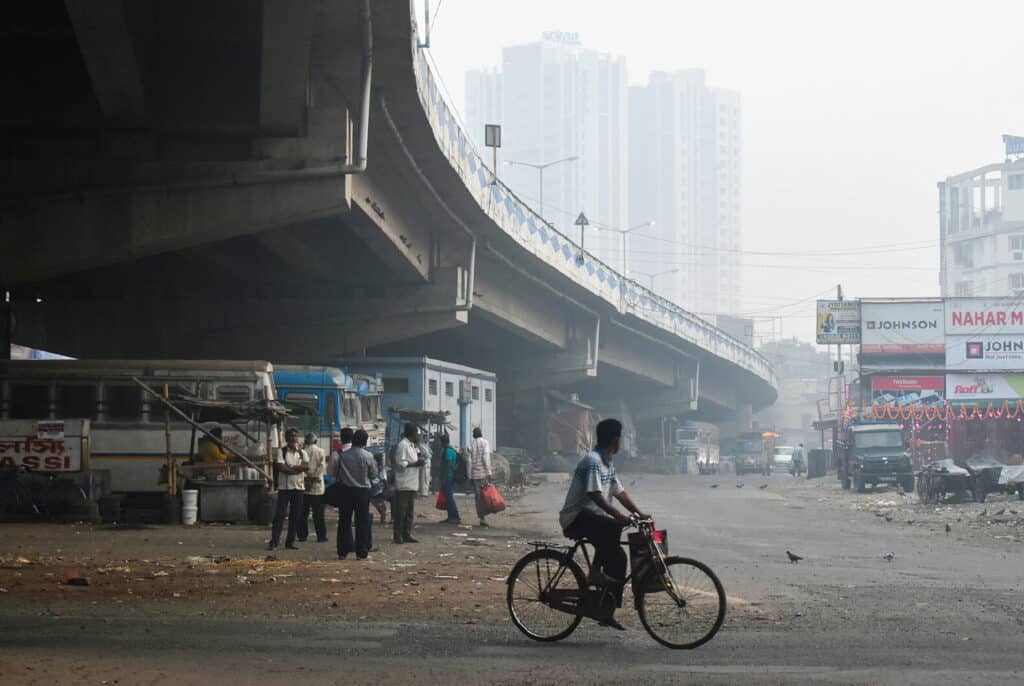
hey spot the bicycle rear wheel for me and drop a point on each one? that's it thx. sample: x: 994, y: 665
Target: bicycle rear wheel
x: 696, y: 619
x: 542, y: 595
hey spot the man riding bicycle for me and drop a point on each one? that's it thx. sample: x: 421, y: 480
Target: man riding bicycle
x: 588, y: 511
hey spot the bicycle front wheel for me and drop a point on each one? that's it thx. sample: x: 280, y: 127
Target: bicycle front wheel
x: 699, y: 612
x: 544, y: 593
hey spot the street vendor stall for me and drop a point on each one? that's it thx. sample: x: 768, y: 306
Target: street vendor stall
x: 234, y: 489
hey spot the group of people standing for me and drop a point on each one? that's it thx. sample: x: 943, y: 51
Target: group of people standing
x: 302, y: 474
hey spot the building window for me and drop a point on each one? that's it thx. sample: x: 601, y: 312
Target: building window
x: 432, y: 386
x: 76, y: 401
x: 1016, y: 182
x: 449, y: 389
x: 122, y: 402
x: 963, y: 289
x: 396, y: 384
x: 1017, y: 281
x: 235, y: 393
x: 963, y: 255
x: 30, y: 401
x: 476, y: 392
x: 488, y: 395
x: 1017, y: 247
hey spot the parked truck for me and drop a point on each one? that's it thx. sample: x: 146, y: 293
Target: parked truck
x: 872, y: 453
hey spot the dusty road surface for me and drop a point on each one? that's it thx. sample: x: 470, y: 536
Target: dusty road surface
x: 170, y: 605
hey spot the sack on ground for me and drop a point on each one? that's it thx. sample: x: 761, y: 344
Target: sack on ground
x: 442, y: 502
x: 492, y: 501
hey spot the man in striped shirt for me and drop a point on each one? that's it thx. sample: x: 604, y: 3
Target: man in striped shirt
x: 480, y: 470
x: 589, y: 513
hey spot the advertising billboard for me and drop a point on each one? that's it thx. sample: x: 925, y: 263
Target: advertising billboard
x: 838, y: 322
x: 902, y: 328
x: 985, y: 387
x: 973, y: 353
x: 984, y: 316
x: 908, y: 390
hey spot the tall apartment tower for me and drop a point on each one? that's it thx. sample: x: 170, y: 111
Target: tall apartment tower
x: 562, y: 100
x: 684, y: 173
x: 484, y: 93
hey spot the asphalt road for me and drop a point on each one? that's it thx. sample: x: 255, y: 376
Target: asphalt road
x: 948, y: 609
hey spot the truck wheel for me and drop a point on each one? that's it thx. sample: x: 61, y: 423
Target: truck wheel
x: 908, y: 485
x: 858, y: 483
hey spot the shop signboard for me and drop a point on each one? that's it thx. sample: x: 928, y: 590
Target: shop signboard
x: 838, y: 322
x: 43, y: 446
x: 916, y: 391
x: 985, y: 388
x: 984, y: 316
x: 978, y: 352
x: 902, y: 328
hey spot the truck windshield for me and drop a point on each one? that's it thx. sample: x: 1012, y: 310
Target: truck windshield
x: 879, y: 439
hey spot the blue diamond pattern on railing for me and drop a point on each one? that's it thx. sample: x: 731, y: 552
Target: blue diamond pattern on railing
x: 543, y: 235
x: 566, y: 252
x: 531, y: 225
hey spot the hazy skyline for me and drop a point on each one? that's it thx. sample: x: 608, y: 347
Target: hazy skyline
x: 852, y: 113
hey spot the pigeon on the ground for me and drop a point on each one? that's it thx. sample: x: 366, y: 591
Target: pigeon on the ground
x: 793, y: 558
x: 1013, y: 512
x: 739, y: 485
x: 889, y: 557
x: 948, y: 528
x: 984, y: 512
x: 888, y: 518
x: 763, y: 486
x: 1000, y: 512
x: 714, y: 485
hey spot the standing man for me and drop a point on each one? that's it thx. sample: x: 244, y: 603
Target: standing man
x: 588, y: 511
x: 798, y: 460
x: 356, y: 469
x: 449, y: 463
x: 407, y: 484
x: 292, y: 463
x: 313, y: 499
x: 480, y: 470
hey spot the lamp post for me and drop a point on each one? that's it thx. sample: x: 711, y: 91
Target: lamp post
x: 652, y: 277
x: 624, y: 233
x: 540, y: 169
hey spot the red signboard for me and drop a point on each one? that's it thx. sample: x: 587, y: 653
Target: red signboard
x: 907, y: 383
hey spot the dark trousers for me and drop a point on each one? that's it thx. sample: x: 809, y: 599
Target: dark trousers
x: 402, y: 514
x: 354, y: 501
x: 449, y: 498
x: 605, y: 533
x: 286, y: 499
x: 314, y: 504
x: 478, y: 497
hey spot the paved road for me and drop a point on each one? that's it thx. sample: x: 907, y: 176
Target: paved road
x: 946, y: 610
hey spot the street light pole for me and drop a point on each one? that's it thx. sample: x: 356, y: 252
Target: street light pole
x: 540, y: 169
x: 652, y: 277
x: 624, y: 233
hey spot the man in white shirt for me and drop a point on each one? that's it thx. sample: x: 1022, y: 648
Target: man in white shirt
x: 291, y: 465
x: 407, y: 484
x: 313, y: 498
x: 480, y: 470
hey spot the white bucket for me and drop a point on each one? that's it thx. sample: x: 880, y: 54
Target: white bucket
x: 189, y: 515
x: 189, y: 499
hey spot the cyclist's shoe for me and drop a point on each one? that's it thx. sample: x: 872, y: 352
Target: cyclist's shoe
x: 612, y: 623
x: 601, y: 580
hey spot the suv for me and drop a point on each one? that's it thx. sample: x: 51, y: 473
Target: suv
x: 874, y: 454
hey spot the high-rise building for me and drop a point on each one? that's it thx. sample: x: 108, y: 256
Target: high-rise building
x: 560, y: 100
x: 684, y: 173
x: 981, y: 227
x: 484, y: 94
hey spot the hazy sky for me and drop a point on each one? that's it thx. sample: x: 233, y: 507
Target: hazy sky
x: 852, y: 111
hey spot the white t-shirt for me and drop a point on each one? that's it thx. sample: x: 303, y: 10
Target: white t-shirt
x: 292, y: 458
x: 592, y: 475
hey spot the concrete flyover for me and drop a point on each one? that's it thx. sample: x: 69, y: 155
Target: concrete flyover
x: 187, y: 179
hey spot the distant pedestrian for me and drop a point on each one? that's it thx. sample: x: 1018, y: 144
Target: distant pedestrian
x: 313, y: 499
x: 798, y: 460
x: 356, y: 470
x: 407, y: 484
x: 449, y: 464
x: 291, y: 466
x: 480, y: 470
x: 380, y: 489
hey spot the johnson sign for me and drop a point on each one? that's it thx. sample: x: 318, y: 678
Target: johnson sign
x: 902, y: 328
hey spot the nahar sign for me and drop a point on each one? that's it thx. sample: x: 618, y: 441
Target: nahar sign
x: 984, y: 316
x: 902, y: 328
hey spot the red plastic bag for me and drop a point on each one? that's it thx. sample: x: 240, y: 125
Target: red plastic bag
x: 442, y: 502
x: 492, y: 500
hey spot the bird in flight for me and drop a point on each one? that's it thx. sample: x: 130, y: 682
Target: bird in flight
x: 889, y: 557
x: 714, y: 485
x: 763, y: 486
x: 793, y: 558
x: 739, y: 485
x: 948, y: 528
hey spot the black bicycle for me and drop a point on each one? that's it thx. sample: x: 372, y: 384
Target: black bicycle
x: 680, y: 601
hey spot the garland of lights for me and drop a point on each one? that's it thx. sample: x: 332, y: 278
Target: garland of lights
x: 944, y: 412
